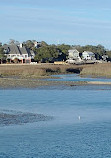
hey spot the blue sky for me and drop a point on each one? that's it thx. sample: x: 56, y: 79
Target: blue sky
x: 56, y: 21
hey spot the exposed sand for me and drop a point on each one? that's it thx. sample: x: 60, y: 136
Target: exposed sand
x: 98, y: 83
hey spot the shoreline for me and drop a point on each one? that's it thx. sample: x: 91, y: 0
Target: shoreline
x: 99, y: 83
x: 7, y: 83
x: 33, y: 76
x: 14, y: 83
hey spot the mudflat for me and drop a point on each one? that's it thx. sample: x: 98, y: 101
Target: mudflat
x: 14, y: 118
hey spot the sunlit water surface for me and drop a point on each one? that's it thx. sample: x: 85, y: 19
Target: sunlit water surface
x: 67, y: 135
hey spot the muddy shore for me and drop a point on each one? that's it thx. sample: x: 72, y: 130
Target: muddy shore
x: 33, y: 83
x: 7, y: 83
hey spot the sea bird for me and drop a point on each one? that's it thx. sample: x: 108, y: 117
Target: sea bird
x: 79, y: 117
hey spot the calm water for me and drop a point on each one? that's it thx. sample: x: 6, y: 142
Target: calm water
x: 76, y: 77
x: 65, y: 136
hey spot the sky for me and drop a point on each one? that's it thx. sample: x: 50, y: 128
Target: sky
x: 74, y: 22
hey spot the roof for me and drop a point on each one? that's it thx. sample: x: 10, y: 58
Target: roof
x: 73, y: 51
x: 23, y: 50
x: 14, y: 49
x: 87, y: 52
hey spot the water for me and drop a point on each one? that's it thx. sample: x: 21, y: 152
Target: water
x: 66, y: 136
x: 75, y: 77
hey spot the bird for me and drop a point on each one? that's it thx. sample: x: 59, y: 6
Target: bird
x: 79, y: 117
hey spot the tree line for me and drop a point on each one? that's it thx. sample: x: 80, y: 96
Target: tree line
x: 51, y: 52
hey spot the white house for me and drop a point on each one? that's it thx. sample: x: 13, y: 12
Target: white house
x: 37, y: 44
x: 73, y: 54
x: 105, y: 57
x: 88, y: 55
x: 20, y: 53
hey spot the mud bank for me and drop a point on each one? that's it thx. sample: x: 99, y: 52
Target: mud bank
x: 15, y: 118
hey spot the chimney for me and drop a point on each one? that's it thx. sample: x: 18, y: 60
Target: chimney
x: 21, y: 45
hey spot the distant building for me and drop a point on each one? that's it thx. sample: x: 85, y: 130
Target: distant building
x: 19, y: 53
x: 37, y: 44
x: 105, y: 57
x: 73, y: 57
x: 73, y: 54
x: 88, y: 55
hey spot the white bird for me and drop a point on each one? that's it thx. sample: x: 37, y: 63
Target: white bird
x: 79, y: 117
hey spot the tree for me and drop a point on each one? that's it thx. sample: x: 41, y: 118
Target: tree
x: 46, y: 54
x: 44, y: 44
x: 0, y: 44
x: 64, y: 48
x: 29, y: 44
x: 2, y: 55
x: 108, y: 52
x: 63, y: 51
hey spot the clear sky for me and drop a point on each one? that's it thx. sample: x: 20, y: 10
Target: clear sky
x: 56, y: 21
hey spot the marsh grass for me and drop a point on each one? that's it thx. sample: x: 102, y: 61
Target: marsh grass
x: 45, y: 70
x: 35, y: 70
x: 28, y: 76
x: 97, y: 70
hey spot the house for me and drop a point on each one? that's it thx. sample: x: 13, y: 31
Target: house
x: 88, y: 55
x: 73, y: 54
x: 18, y: 54
x: 73, y: 57
x: 37, y: 44
x: 105, y: 57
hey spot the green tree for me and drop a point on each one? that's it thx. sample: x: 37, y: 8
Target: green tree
x: 43, y: 44
x: 63, y: 51
x: 29, y: 44
x: 0, y: 44
x: 2, y: 55
x: 46, y: 54
x: 108, y: 52
x: 64, y: 48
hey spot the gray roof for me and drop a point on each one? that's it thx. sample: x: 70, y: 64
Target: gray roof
x: 23, y: 50
x: 88, y: 52
x: 14, y: 49
x: 73, y: 51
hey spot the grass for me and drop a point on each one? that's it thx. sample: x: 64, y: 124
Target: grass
x: 97, y: 70
x: 36, y: 71
x: 28, y: 76
x: 44, y: 70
